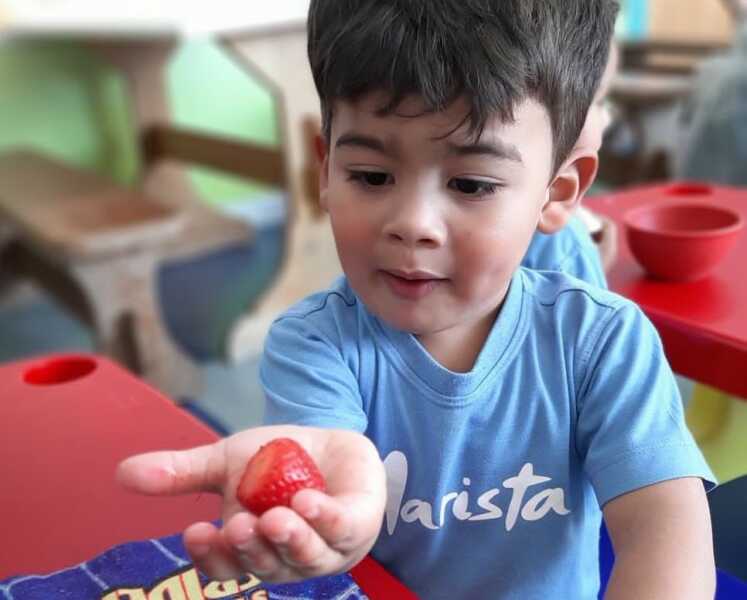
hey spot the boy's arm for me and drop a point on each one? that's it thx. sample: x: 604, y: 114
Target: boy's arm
x: 646, y: 469
x: 308, y: 383
x: 313, y: 397
x: 663, y: 544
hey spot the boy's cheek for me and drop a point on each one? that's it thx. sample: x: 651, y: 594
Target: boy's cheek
x: 350, y: 229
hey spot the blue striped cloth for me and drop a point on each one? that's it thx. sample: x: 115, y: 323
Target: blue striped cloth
x: 159, y: 569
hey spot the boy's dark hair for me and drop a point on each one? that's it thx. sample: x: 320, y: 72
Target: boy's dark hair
x: 495, y: 53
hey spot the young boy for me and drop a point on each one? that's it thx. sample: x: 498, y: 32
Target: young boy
x: 474, y: 419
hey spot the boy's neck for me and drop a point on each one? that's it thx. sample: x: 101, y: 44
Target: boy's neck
x: 457, y: 350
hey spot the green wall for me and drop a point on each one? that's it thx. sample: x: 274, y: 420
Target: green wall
x: 210, y: 91
x: 56, y: 96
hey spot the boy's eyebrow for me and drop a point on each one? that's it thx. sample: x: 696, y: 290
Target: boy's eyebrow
x: 364, y: 141
x: 498, y: 149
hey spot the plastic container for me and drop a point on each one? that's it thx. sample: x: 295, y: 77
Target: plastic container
x: 681, y: 242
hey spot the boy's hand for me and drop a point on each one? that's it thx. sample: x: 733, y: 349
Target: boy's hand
x: 322, y: 533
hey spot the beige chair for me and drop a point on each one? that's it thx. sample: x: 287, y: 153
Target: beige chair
x: 97, y: 246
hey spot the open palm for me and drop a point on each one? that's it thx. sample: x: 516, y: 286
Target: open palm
x: 321, y: 533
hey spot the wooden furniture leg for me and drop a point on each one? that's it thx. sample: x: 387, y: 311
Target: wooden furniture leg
x: 129, y: 326
x: 278, y: 58
x: 96, y: 247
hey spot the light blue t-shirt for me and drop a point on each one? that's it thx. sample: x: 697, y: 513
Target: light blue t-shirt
x: 496, y: 476
x: 570, y: 250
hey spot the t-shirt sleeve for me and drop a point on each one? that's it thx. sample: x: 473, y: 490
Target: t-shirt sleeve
x: 582, y: 260
x: 631, y: 430
x: 586, y: 265
x: 306, y: 379
x: 570, y: 250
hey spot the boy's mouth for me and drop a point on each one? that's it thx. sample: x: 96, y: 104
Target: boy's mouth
x: 411, y: 285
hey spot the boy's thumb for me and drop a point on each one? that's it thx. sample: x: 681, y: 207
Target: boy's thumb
x: 172, y: 472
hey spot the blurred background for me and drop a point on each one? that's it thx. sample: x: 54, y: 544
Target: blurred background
x: 173, y: 101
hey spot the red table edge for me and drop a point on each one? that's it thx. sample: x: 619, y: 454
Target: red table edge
x: 378, y: 583
x: 724, y: 371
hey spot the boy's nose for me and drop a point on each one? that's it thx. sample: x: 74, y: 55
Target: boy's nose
x: 415, y: 222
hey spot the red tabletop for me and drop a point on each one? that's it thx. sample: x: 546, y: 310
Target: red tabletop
x: 703, y: 324
x: 65, y: 423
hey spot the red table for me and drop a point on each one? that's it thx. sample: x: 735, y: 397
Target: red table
x: 66, y: 421
x: 703, y: 324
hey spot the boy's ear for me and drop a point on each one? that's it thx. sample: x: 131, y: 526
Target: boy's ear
x: 566, y: 190
x: 323, y: 155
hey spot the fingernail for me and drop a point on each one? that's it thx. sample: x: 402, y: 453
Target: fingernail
x: 310, y: 512
x: 244, y: 542
x: 282, y: 536
x: 200, y: 550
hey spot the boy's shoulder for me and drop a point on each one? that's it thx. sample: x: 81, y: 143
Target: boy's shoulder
x: 336, y: 302
x: 581, y: 316
x: 552, y: 300
x: 553, y: 289
x: 543, y: 288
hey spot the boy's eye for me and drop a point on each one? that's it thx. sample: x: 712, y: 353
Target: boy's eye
x: 370, y: 178
x: 473, y: 187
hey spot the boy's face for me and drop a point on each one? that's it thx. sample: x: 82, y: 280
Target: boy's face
x: 429, y: 227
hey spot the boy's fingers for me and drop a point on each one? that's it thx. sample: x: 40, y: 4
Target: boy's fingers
x: 200, y: 469
x: 252, y: 552
x: 328, y: 516
x: 209, y: 552
x: 300, y: 547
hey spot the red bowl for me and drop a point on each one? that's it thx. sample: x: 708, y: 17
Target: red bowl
x: 681, y: 242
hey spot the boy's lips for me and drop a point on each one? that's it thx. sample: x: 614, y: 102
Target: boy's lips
x: 412, y: 275
x: 411, y: 285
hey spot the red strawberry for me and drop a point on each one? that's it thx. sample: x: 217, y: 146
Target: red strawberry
x: 275, y: 473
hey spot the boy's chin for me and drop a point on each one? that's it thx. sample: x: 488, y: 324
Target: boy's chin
x: 400, y: 320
